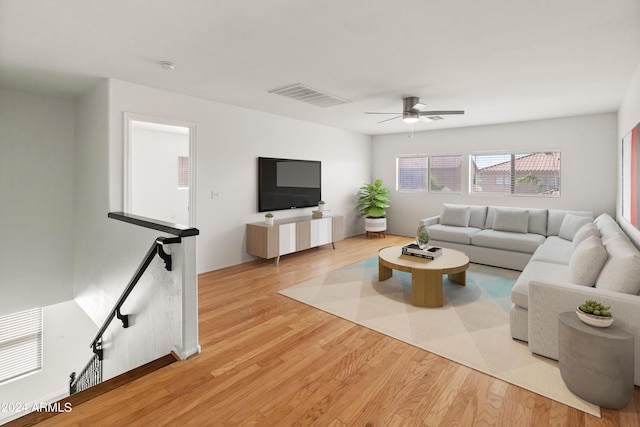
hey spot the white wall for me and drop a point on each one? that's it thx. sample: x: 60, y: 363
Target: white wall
x: 154, y: 186
x: 628, y: 117
x: 36, y: 207
x: 108, y: 252
x: 588, y: 166
x: 229, y: 140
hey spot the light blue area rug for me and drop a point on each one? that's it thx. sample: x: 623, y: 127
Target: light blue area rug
x: 472, y: 327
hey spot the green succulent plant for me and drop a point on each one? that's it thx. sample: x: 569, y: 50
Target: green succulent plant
x: 595, y: 308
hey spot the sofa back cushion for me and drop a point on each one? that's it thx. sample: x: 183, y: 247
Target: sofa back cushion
x: 555, y: 217
x: 511, y: 219
x: 621, y: 272
x: 456, y: 215
x: 571, y: 224
x: 586, y: 261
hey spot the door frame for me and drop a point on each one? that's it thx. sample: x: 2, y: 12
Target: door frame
x: 128, y: 158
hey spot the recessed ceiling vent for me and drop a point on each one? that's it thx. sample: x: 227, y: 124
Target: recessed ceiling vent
x: 311, y: 96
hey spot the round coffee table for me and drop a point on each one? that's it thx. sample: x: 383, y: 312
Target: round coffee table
x: 426, y: 275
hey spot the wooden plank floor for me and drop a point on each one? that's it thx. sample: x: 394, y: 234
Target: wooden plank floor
x: 270, y: 361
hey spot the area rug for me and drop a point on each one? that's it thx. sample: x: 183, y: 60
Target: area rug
x: 472, y: 327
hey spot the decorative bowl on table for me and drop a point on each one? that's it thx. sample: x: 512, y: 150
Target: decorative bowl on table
x: 593, y: 320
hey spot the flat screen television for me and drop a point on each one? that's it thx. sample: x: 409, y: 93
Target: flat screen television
x: 288, y: 183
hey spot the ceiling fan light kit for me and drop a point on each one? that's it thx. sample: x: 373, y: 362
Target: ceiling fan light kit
x: 410, y: 117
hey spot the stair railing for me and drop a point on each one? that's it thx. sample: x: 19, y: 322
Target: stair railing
x: 155, y: 249
x: 91, y: 374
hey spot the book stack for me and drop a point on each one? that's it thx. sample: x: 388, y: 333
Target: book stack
x: 321, y: 214
x: 431, y: 252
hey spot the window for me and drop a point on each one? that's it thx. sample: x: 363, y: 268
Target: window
x: 20, y: 344
x: 442, y: 173
x: 183, y: 172
x: 534, y: 174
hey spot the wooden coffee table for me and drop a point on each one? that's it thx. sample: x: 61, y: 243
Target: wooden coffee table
x: 426, y: 275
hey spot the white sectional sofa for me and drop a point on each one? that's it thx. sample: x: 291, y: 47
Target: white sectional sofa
x: 496, y: 235
x: 575, y: 259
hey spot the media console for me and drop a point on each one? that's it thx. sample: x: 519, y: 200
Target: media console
x: 290, y: 235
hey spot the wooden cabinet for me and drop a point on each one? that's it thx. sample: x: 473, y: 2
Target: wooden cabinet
x: 290, y: 235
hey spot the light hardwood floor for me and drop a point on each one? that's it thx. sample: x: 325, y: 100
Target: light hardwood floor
x: 268, y: 360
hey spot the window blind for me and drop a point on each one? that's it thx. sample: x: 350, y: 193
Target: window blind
x: 529, y: 173
x: 20, y: 344
x: 441, y: 173
x: 183, y: 171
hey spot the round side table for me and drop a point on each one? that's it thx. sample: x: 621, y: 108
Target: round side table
x: 596, y: 363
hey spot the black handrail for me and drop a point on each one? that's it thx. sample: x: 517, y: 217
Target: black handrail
x: 155, y: 249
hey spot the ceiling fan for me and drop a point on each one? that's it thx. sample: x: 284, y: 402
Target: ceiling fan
x: 413, y: 110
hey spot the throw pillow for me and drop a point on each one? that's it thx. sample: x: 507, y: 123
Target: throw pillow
x: 538, y: 221
x: 456, y: 215
x: 586, y: 261
x: 571, y: 224
x: 514, y: 220
x: 477, y: 216
x: 587, y: 230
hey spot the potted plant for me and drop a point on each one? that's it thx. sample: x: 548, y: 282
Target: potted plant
x: 595, y: 314
x: 373, y: 200
x: 321, y: 204
x: 268, y: 218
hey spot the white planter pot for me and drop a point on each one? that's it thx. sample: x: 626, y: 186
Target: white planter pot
x: 268, y: 221
x: 321, y: 208
x: 375, y: 225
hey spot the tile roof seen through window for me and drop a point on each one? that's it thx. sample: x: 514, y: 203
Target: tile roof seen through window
x: 549, y: 161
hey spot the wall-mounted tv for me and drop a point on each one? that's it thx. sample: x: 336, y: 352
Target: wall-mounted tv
x: 288, y: 183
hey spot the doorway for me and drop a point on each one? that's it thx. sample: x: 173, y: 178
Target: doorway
x: 159, y: 169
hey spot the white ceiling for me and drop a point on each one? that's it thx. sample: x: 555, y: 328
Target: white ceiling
x: 500, y: 60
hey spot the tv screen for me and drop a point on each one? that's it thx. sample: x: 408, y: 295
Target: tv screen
x: 288, y: 183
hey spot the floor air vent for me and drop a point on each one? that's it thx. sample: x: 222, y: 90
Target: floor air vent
x: 312, y: 96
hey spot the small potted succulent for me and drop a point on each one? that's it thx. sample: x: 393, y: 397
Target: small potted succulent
x: 321, y: 204
x: 595, y: 314
x: 268, y: 218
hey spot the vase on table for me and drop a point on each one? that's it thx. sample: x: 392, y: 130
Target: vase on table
x: 422, y: 237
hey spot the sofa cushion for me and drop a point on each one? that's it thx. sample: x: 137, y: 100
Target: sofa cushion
x: 555, y: 217
x: 538, y: 221
x: 621, y: 272
x: 589, y: 229
x: 456, y: 215
x: 571, y: 224
x: 587, y: 261
x: 554, y: 250
x: 517, y: 242
x: 540, y: 272
x: 450, y: 233
x: 477, y: 216
x: 513, y: 220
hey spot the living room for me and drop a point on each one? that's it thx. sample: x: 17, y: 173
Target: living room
x: 61, y: 191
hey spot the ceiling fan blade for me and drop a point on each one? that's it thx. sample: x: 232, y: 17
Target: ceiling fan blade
x: 440, y: 113
x: 419, y: 106
x: 373, y: 112
x: 392, y: 118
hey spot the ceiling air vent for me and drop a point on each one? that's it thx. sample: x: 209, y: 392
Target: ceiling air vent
x: 312, y: 96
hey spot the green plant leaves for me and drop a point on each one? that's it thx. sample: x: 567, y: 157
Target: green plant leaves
x: 374, y: 199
